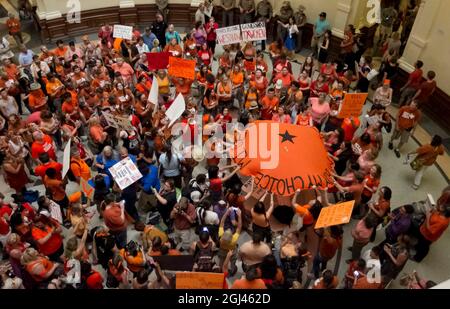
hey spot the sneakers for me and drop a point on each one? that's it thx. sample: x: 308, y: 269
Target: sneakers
x: 391, y: 146
x: 397, y: 153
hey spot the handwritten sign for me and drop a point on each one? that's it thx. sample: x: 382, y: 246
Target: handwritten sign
x: 176, y: 109
x: 110, y: 120
x: 123, y: 32
x: 153, y: 96
x: 125, y: 173
x: 335, y: 215
x: 124, y: 123
x: 182, y: 68
x: 158, y: 61
x: 229, y: 35
x: 87, y: 189
x: 66, y: 159
x: 352, y: 105
x: 193, y: 280
x: 254, y: 32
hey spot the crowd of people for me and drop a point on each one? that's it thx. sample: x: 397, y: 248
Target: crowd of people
x: 183, y: 207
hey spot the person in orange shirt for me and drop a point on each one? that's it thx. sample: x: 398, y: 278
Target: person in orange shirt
x: 260, y: 82
x: 251, y: 281
x: 237, y: 78
x: 13, y: 25
x: 224, y: 92
x: 286, y: 77
x: 60, y: 50
x: 79, y: 167
x: 408, y: 118
x: 46, y: 233
x: 183, y: 86
x: 269, y: 104
x: 55, y: 90
x: 328, y: 281
x: 37, y: 101
x: 57, y: 189
x: 436, y: 222
x: 174, y: 48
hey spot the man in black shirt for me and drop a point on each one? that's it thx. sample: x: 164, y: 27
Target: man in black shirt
x: 167, y: 198
x: 159, y: 29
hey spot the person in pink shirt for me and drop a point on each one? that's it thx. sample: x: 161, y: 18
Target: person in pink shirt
x: 281, y: 117
x: 73, y: 50
x: 320, y: 110
x: 125, y: 70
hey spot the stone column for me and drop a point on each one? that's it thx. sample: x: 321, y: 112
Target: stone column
x: 418, y: 38
x: 341, y: 19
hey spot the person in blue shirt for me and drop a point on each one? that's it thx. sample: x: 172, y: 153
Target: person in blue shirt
x: 123, y: 153
x: 320, y: 27
x: 148, y: 37
x: 150, y: 180
x: 172, y: 34
x: 106, y: 160
x: 25, y: 56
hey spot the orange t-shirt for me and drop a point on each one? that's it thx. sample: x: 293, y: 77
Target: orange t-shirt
x: 408, y: 117
x: 79, y: 168
x: 53, y: 243
x: 56, y: 188
x: 303, y: 211
x: 52, y: 87
x: 41, y: 169
x: 269, y: 105
x: 244, y: 284
x: 237, y: 78
x: 13, y: 25
x: 46, y: 264
x: 372, y: 183
x: 96, y: 133
x: 438, y: 225
x: 60, y: 53
x: 36, y: 98
x: 68, y: 108
x: 46, y: 146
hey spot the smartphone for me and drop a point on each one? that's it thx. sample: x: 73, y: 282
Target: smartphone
x: 356, y: 274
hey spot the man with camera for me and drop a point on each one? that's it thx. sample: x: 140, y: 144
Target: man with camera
x: 183, y: 216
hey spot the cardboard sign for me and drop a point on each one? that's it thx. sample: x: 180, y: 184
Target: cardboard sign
x: 254, y: 32
x: 125, y: 173
x: 182, y: 68
x: 110, y: 120
x: 176, y: 109
x: 123, y: 32
x: 123, y: 123
x: 352, y: 105
x: 158, y: 61
x: 87, y: 189
x: 66, y: 159
x: 229, y: 35
x: 153, y: 96
x: 194, y: 280
x: 335, y: 215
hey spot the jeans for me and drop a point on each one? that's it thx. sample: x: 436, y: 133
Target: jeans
x: 120, y: 238
x: 130, y: 205
x: 406, y: 95
x: 419, y: 175
x: 246, y: 18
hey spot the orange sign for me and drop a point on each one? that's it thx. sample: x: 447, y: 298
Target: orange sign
x: 199, y: 281
x: 352, y: 105
x: 182, y: 68
x: 283, y: 157
x: 87, y: 189
x: 335, y: 215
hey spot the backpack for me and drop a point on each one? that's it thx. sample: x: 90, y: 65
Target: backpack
x: 292, y: 269
x: 203, y: 257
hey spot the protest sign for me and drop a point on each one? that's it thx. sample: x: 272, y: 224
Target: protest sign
x: 176, y: 109
x: 123, y: 32
x: 199, y: 280
x: 283, y: 158
x: 124, y: 123
x: 125, y: 173
x: 352, y: 105
x: 229, y: 35
x: 182, y: 68
x: 66, y: 159
x: 87, y: 189
x: 335, y: 215
x: 254, y: 32
x: 110, y: 120
x: 153, y: 96
x: 158, y: 61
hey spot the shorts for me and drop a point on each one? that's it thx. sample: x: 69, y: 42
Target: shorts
x: 403, y: 135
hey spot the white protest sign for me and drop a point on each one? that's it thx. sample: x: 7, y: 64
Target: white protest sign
x: 229, y: 35
x: 123, y: 32
x: 154, y: 92
x: 66, y: 159
x: 110, y: 120
x: 254, y: 32
x: 125, y: 173
x: 176, y: 109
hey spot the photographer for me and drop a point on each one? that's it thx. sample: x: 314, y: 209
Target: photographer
x: 436, y: 222
x: 183, y: 215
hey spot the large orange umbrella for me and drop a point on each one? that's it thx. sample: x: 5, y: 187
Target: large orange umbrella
x: 284, y: 157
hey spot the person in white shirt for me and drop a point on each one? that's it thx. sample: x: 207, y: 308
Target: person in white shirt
x: 142, y: 47
x: 383, y: 95
x: 39, y: 69
x: 8, y: 105
x: 200, y: 14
